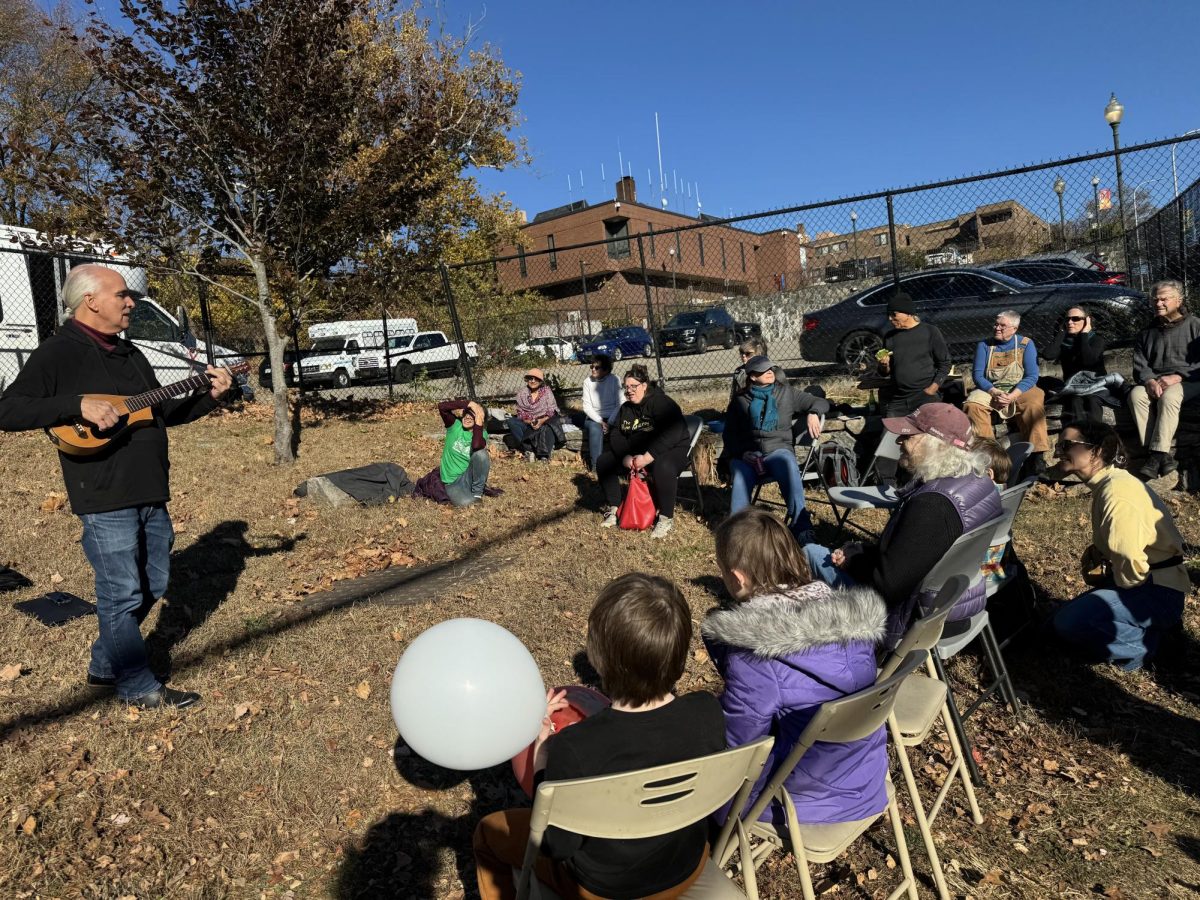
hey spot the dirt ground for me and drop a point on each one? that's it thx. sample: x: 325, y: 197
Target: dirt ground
x: 290, y: 780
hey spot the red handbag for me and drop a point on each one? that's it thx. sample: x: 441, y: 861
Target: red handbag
x: 637, y: 512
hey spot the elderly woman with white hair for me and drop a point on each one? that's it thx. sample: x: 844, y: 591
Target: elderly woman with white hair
x: 949, y: 495
x: 1006, y: 374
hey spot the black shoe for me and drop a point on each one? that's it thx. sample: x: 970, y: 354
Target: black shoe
x: 1151, y: 468
x: 98, y: 685
x: 1167, y: 465
x: 1039, y: 465
x: 166, y: 696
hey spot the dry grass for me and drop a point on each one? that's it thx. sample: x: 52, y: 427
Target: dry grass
x: 289, y: 780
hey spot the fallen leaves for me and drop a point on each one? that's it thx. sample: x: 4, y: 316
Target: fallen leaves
x: 13, y: 671
x: 54, y: 502
x: 363, y: 690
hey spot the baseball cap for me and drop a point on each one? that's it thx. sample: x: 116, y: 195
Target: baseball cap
x: 536, y: 373
x: 940, y: 420
x: 758, y: 364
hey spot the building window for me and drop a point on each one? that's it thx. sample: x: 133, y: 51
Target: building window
x: 881, y: 240
x: 521, y: 260
x: 650, y: 228
x: 553, y: 255
x: 823, y: 251
x: 838, y: 247
x: 700, y: 242
x: 722, y: 254
x: 996, y: 217
x: 617, y: 232
x: 743, y: 246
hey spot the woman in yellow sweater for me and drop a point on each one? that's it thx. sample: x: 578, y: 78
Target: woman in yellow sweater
x: 1134, y: 564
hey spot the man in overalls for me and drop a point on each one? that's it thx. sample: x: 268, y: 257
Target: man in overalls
x: 1006, y: 374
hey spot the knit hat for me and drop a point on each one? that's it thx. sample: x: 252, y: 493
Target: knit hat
x: 941, y: 420
x: 900, y: 302
x: 758, y: 364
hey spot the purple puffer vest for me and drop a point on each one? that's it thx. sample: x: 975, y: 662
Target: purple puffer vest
x: 976, y: 500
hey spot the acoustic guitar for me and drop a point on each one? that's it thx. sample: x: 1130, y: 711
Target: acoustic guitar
x: 82, y: 438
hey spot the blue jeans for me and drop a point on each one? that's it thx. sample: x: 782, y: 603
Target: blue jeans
x: 1119, y: 625
x: 822, y: 567
x: 468, y: 487
x: 130, y: 551
x: 595, y: 440
x: 782, y: 468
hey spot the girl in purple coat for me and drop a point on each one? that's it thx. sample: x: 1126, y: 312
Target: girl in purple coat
x: 786, y: 645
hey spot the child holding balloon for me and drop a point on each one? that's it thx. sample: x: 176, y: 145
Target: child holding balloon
x: 639, y: 632
x: 786, y: 645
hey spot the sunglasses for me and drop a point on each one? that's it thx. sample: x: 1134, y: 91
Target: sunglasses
x: 1076, y: 318
x: 533, y: 381
x: 1065, y: 444
x: 597, y: 368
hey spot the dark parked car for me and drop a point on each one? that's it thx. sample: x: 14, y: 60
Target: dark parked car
x: 695, y: 331
x: 1037, y: 272
x: 289, y: 365
x: 963, y: 303
x: 628, y: 340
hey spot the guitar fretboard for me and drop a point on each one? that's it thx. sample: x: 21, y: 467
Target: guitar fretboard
x: 149, y: 398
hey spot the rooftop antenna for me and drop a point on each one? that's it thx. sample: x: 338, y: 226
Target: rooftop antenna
x: 675, y: 180
x: 603, y: 179
x: 658, y: 139
x: 581, y: 181
x: 620, y: 158
x: 698, y: 205
x: 570, y: 192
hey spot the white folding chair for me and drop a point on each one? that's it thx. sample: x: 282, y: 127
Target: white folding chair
x: 922, y: 700
x: 845, y: 500
x: 649, y: 803
x: 695, y: 426
x: 850, y: 718
x: 965, y: 557
x: 809, y: 470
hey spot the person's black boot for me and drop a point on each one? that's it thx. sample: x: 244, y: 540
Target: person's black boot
x: 1167, y: 465
x: 1152, y: 467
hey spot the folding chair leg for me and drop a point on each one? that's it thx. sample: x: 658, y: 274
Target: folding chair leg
x: 797, y: 842
x: 956, y: 722
x: 699, y: 493
x: 999, y: 670
x: 976, y: 815
x: 935, y: 864
x: 910, y: 880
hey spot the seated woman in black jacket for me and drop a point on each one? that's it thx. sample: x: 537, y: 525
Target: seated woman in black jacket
x: 1078, y: 348
x: 650, y: 434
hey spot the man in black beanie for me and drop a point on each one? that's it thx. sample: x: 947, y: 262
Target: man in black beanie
x: 914, y: 357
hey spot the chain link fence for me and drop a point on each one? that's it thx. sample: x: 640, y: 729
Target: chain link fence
x: 680, y: 291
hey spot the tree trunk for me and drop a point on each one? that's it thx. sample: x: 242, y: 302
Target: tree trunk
x: 279, y: 391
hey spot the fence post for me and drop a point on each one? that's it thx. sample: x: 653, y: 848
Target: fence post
x: 1182, y: 235
x: 653, y: 329
x: 586, y: 311
x: 387, y: 353
x: 464, y: 361
x: 205, y: 318
x: 892, y: 241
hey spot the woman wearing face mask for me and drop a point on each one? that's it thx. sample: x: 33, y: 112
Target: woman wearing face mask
x: 1134, y: 565
x: 1078, y: 348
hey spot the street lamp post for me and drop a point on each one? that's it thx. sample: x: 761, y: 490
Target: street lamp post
x: 1059, y: 187
x: 586, y: 311
x: 854, y: 226
x: 674, y: 290
x: 1112, y: 115
x: 1096, y: 210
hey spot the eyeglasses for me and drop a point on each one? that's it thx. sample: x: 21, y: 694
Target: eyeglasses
x: 632, y: 388
x: 1003, y: 326
x: 1076, y: 318
x: 1065, y: 444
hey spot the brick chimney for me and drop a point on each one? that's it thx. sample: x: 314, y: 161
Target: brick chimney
x: 801, y: 233
x: 627, y: 190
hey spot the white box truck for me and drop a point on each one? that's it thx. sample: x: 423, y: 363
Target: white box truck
x: 349, y: 350
x: 32, y: 273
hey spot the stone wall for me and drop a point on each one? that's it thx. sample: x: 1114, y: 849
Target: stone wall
x: 782, y: 315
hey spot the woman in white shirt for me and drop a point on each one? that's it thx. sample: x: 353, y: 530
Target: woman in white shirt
x: 601, y: 403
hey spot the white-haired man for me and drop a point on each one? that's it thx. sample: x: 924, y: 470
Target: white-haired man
x: 120, y: 493
x: 1166, y: 374
x: 1006, y: 374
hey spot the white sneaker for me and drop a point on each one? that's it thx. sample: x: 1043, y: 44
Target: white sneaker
x: 662, y: 527
x: 610, y: 520
x: 529, y: 456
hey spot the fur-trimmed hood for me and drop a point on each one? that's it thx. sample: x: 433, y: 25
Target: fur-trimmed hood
x: 777, y: 625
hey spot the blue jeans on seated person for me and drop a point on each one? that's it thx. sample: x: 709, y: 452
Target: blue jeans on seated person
x: 822, y: 567
x: 781, y: 466
x: 468, y: 487
x: 595, y: 440
x: 130, y: 551
x: 1119, y: 625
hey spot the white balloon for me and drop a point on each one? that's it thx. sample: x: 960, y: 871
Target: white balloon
x: 467, y: 695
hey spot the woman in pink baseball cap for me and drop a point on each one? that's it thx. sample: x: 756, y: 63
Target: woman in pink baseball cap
x: 949, y: 494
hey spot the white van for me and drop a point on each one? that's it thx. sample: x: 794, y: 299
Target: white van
x: 348, y: 350
x: 32, y: 273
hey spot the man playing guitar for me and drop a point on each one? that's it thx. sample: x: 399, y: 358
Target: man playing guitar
x: 121, y: 493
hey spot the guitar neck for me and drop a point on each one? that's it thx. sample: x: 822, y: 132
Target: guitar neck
x: 178, y: 389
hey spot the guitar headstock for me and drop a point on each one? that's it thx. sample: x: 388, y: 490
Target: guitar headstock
x: 241, y: 368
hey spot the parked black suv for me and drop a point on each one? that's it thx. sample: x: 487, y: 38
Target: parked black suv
x: 696, y: 330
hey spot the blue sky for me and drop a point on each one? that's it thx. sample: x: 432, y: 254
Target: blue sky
x: 768, y: 104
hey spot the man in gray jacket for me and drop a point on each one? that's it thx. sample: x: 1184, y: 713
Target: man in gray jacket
x: 1166, y: 374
